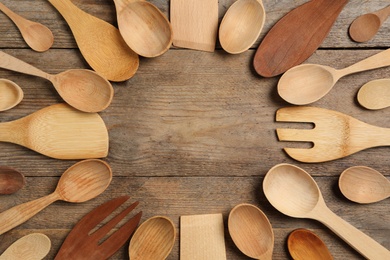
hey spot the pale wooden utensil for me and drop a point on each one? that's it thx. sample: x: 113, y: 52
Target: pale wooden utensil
x: 153, y: 240
x: 307, y: 83
x: 36, y: 35
x: 202, y: 237
x: 10, y: 94
x: 304, y: 244
x: 59, y: 131
x: 363, y: 184
x: 83, y: 89
x: 11, y: 180
x: 81, y: 182
x: 100, y: 43
x: 195, y: 24
x: 366, y: 26
x: 143, y: 27
x: 241, y: 25
x: 292, y: 191
x: 251, y: 231
x: 335, y: 134
x: 34, y: 246
x: 375, y: 94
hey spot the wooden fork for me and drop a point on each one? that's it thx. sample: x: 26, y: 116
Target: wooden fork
x: 335, y: 135
x: 81, y: 243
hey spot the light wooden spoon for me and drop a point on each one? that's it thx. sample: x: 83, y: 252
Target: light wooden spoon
x: 251, y: 231
x: 81, y: 182
x: 365, y: 27
x: 241, y: 25
x: 306, y: 245
x: 11, y: 180
x: 10, y: 94
x: 143, y: 27
x: 364, y: 185
x: 83, y: 89
x: 375, y: 94
x: 308, y: 83
x: 292, y: 191
x: 33, y: 246
x: 36, y: 35
x: 153, y: 239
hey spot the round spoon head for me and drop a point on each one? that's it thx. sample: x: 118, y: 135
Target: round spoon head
x: 10, y: 94
x: 37, y: 36
x: 84, y: 180
x: 251, y: 231
x: 32, y: 246
x: 364, y: 28
x: 306, y: 245
x: 154, y: 239
x: 10, y: 180
x: 375, y: 94
x: 364, y: 185
x: 241, y: 25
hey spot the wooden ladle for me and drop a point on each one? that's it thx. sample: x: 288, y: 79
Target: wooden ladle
x: 304, y: 244
x: 292, y: 191
x: 83, y: 89
x: 36, y: 35
x: 365, y: 27
x: 32, y: 246
x: 241, y: 25
x: 81, y: 182
x: 363, y: 184
x: 11, y: 180
x: 251, y: 231
x: 308, y: 83
x: 10, y: 94
x: 375, y: 94
x: 143, y: 27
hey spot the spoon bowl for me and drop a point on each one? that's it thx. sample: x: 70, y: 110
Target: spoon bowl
x: 375, y: 94
x: 306, y: 245
x: 32, y: 246
x: 11, y: 180
x: 10, y: 94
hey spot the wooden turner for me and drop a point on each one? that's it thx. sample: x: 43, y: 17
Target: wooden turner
x: 59, y: 131
x: 335, y: 135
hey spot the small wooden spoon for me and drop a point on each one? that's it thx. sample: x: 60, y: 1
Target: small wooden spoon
x: 251, y: 231
x: 10, y: 180
x: 241, y: 25
x: 364, y: 185
x: 10, y: 94
x: 143, y: 27
x: 83, y: 89
x: 36, y: 35
x: 375, y: 94
x: 33, y: 246
x: 306, y: 245
x: 308, y: 83
x: 81, y: 182
x: 365, y: 27
x: 154, y: 239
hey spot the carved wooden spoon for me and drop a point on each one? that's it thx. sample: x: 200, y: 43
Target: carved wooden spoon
x: 375, y: 94
x: 10, y: 94
x: 10, y: 180
x: 33, y: 246
x: 306, y: 245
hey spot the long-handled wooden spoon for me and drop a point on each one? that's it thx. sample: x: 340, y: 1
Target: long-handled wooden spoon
x: 81, y: 182
x: 365, y: 27
x: 292, y: 191
x: 10, y: 94
x: 304, y: 244
x: 363, y: 184
x: 143, y: 27
x: 307, y: 83
x: 34, y: 246
x: 36, y: 35
x: 82, y: 89
x: 11, y: 180
x: 375, y: 94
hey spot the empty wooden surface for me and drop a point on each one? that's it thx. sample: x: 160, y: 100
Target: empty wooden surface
x: 194, y: 132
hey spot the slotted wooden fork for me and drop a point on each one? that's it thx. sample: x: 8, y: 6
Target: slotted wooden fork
x: 335, y: 135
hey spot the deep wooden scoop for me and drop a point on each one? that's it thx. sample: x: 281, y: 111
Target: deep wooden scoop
x: 34, y: 246
x: 375, y: 94
x: 296, y: 36
x: 10, y: 94
x: 11, y: 180
x: 304, y: 244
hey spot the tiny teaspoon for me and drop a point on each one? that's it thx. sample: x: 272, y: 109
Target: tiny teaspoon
x: 10, y: 180
x: 375, y: 94
x: 10, y: 94
x: 303, y: 244
x: 33, y: 246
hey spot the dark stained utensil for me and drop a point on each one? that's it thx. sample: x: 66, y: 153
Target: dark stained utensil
x: 10, y: 180
x: 304, y: 244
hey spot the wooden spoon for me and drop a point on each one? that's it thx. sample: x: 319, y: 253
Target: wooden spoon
x: 365, y: 27
x: 251, y: 231
x: 81, y: 182
x: 36, y: 35
x: 83, y: 89
x: 100, y: 43
x: 292, y: 191
x: 33, y: 246
x: 10, y: 94
x: 143, y: 27
x: 375, y: 94
x: 241, y: 25
x: 306, y: 245
x: 11, y: 180
x: 364, y: 185
x: 308, y: 83
x: 153, y: 239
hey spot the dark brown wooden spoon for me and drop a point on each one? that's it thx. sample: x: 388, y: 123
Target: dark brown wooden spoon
x: 303, y: 244
x: 10, y: 180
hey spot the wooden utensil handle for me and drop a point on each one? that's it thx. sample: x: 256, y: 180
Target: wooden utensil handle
x: 381, y: 59
x: 66, y: 7
x: 383, y: 14
x: 11, y: 63
x: 13, y: 16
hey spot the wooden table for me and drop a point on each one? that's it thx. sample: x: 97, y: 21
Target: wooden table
x: 194, y: 132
